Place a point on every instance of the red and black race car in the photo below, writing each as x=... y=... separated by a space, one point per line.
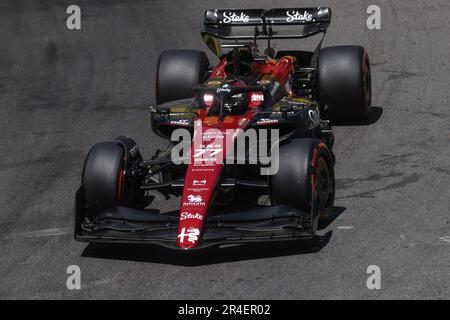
x=218 y=120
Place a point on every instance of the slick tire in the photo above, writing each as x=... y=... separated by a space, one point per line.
x=178 y=72
x=102 y=177
x=305 y=178
x=344 y=83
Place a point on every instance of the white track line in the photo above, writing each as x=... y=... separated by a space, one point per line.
x=41 y=233
x=344 y=227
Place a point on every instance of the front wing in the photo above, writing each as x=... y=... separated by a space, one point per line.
x=127 y=225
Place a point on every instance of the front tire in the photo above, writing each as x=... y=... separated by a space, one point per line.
x=103 y=177
x=305 y=179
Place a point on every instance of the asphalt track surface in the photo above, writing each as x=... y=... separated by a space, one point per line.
x=62 y=91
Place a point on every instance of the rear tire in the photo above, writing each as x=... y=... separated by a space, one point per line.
x=305 y=179
x=179 y=71
x=344 y=83
x=103 y=176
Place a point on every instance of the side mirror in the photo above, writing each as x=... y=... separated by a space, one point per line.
x=161 y=110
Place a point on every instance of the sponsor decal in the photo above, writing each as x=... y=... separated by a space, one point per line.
x=314 y=116
x=257 y=97
x=212 y=136
x=191 y=234
x=210 y=149
x=183 y=122
x=294 y=15
x=199 y=182
x=223 y=89
x=187 y=215
x=197 y=189
x=204 y=163
x=267 y=121
x=230 y=16
x=296 y=106
x=177 y=114
x=207 y=161
x=194 y=200
x=202 y=168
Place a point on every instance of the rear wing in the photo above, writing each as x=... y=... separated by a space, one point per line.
x=252 y=24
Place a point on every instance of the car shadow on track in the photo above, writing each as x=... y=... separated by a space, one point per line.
x=212 y=255
x=207 y=256
x=337 y=211
x=373 y=116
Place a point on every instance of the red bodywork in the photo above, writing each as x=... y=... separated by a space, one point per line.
x=208 y=151
x=280 y=69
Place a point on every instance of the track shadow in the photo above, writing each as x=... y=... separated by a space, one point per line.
x=337 y=211
x=373 y=116
x=207 y=256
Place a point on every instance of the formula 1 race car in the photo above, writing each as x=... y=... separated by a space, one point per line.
x=217 y=119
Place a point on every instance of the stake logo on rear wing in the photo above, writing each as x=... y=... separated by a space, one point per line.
x=294 y=15
x=264 y=24
x=234 y=17
x=314 y=16
x=229 y=16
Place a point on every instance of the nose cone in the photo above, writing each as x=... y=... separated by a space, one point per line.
x=188 y=237
x=202 y=175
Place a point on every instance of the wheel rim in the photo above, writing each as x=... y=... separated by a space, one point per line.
x=324 y=187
